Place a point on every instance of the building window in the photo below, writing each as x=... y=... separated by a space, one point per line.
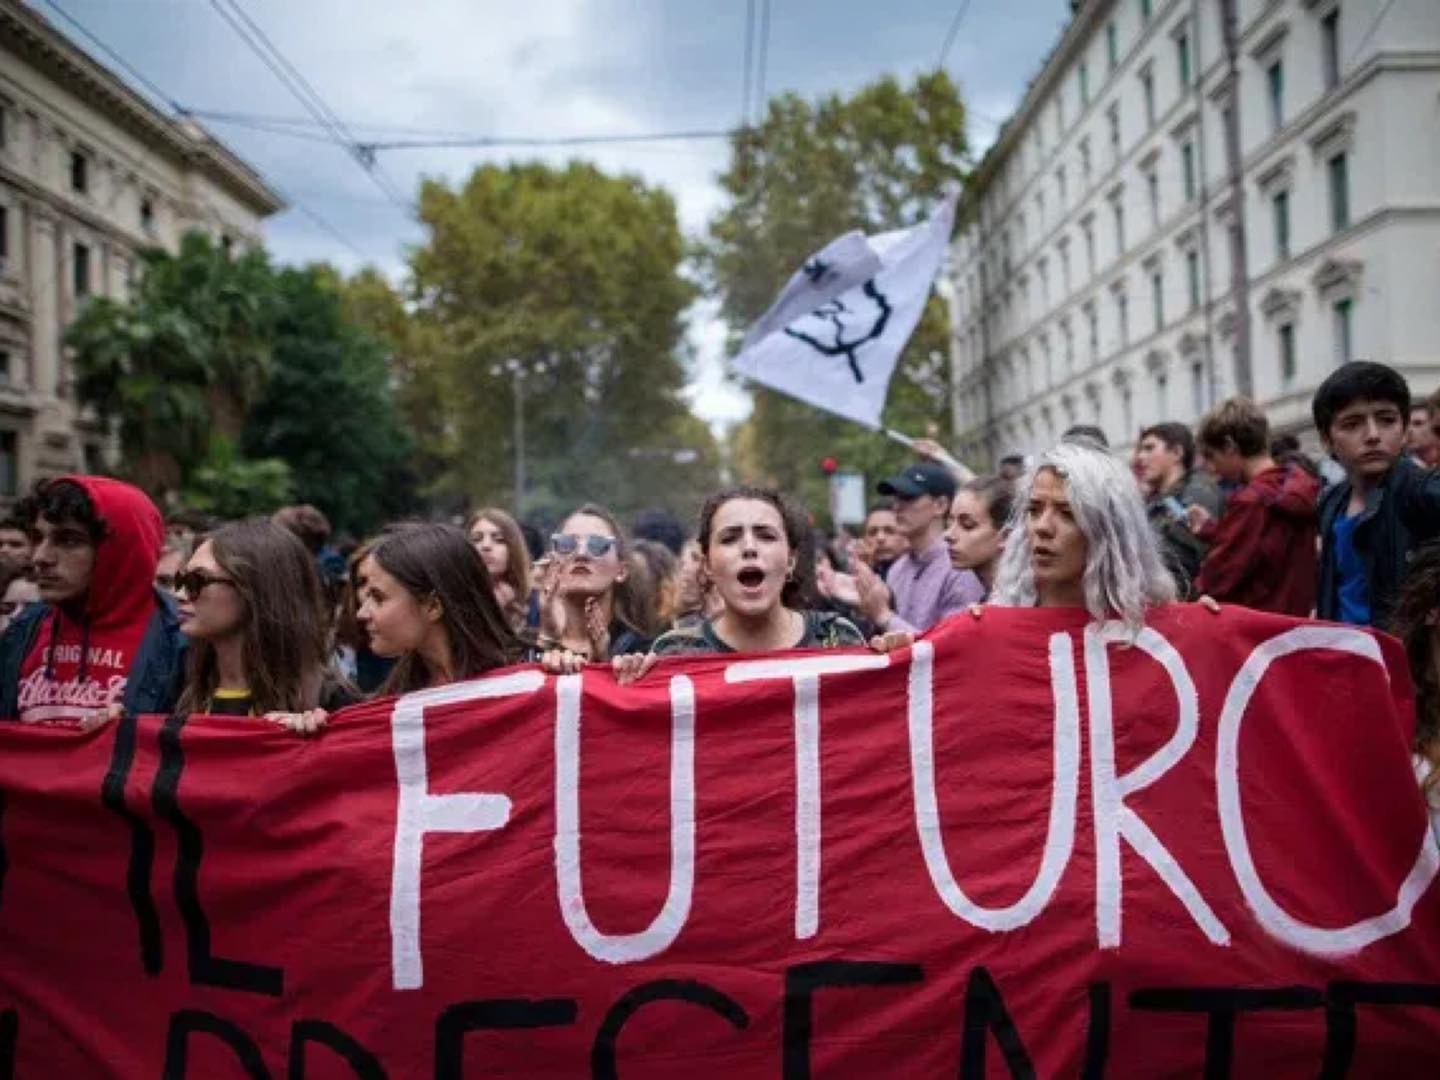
x=1084 y=84
x=1147 y=87
x=1089 y=230
x=1157 y=293
x=9 y=464
x=4 y=237
x=1182 y=56
x=1119 y=211
x=4 y=367
x=1192 y=277
x=1112 y=45
x=1113 y=116
x=1287 y=353
x=79 y=173
x=1338 y=169
x=1197 y=387
x=1146 y=10
x=1187 y=169
x=4 y=121
x=1340 y=316
x=1152 y=189
x=1162 y=395
x=1093 y=318
x=1060 y=184
x=1275 y=89
x=1330 y=48
x=1065 y=267
x=1085 y=159
x=80 y=267
x=1280 y=205
x=1122 y=312
x=147 y=214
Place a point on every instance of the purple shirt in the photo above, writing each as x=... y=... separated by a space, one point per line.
x=927 y=589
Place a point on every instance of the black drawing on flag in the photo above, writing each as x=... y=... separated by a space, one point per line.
x=848 y=329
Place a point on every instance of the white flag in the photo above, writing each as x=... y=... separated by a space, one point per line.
x=840 y=353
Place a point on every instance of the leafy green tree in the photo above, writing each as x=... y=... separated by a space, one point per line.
x=573 y=277
x=327 y=410
x=229 y=486
x=185 y=358
x=875 y=161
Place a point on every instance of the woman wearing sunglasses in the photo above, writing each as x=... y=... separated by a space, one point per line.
x=427 y=600
x=593 y=603
x=254 y=611
x=757 y=553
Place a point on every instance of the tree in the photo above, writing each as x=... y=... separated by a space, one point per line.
x=327 y=410
x=876 y=161
x=183 y=359
x=572 y=277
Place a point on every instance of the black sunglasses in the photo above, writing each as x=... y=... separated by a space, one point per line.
x=193 y=582
x=597 y=547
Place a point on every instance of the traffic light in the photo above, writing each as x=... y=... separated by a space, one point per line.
x=829 y=466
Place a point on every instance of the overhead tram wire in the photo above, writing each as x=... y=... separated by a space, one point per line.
x=290 y=76
x=749 y=63
x=180 y=111
x=125 y=65
x=762 y=61
x=951 y=34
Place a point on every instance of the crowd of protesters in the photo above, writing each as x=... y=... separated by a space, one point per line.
x=109 y=608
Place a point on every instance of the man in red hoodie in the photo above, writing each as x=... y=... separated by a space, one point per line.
x=1263 y=549
x=103 y=636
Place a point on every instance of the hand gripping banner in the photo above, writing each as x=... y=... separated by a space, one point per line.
x=1026 y=846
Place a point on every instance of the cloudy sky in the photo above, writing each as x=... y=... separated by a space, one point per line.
x=541 y=68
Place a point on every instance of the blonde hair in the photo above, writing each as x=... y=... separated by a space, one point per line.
x=1124 y=573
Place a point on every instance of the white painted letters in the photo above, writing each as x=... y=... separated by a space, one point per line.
x=1278 y=922
x=1113 y=819
x=666 y=926
x=419 y=812
x=806 y=671
x=1060 y=836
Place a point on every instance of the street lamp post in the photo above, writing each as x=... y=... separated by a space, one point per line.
x=516 y=370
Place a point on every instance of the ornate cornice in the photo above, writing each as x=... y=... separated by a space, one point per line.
x=31 y=36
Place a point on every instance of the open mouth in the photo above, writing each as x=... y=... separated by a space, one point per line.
x=752 y=577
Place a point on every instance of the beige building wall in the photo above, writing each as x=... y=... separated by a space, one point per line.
x=90 y=174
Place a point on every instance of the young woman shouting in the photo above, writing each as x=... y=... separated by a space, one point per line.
x=755 y=553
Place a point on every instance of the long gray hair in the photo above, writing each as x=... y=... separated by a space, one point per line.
x=1124 y=573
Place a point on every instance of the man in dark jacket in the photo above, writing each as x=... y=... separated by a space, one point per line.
x=1386 y=505
x=1262 y=551
x=103 y=635
x=1166 y=456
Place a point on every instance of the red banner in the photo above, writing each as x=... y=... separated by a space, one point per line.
x=1014 y=849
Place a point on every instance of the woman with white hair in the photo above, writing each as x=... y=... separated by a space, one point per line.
x=1079 y=539
x=1082 y=540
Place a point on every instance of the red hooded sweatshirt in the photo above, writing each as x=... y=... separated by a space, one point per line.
x=83 y=653
x=1263 y=555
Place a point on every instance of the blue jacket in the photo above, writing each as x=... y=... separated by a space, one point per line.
x=1400 y=513
x=157 y=676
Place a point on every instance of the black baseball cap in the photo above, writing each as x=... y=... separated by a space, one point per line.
x=922 y=478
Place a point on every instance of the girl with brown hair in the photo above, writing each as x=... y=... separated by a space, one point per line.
x=427 y=600
x=252 y=606
x=497 y=537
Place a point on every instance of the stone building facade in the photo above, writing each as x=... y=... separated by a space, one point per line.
x=90 y=174
x=1093 y=273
